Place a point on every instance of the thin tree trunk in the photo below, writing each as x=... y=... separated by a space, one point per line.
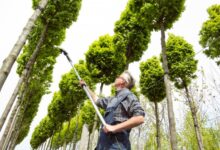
x=4 y=116
x=64 y=145
x=43 y=147
x=25 y=75
x=26 y=72
x=75 y=131
x=101 y=89
x=195 y=120
x=138 y=138
x=13 y=131
x=68 y=128
x=50 y=145
x=84 y=138
x=12 y=143
x=10 y=130
x=90 y=146
x=172 y=126
x=9 y=61
x=157 y=126
x=95 y=123
x=10 y=122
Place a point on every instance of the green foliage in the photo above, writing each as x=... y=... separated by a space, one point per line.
x=43 y=131
x=65 y=103
x=166 y=12
x=151 y=80
x=57 y=16
x=151 y=139
x=210 y=33
x=60 y=14
x=30 y=112
x=132 y=33
x=181 y=62
x=102 y=60
x=71 y=94
x=67 y=135
x=56 y=108
x=210 y=135
x=85 y=115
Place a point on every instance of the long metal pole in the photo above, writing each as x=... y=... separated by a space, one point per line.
x=85 y=88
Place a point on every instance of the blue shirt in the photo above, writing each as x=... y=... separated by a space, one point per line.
x=128 y=108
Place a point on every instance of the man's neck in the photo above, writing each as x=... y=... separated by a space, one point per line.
x=119 y=88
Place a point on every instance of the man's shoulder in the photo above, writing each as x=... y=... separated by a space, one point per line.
x=132 y=97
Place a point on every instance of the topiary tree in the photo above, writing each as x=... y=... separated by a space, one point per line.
x=43 y=131
x=9 y=61
x=101 y=61
x=57 y=16
x=66 y=101
x=152 y=86
x=209 y=34
x=165 y=13
x=182 y=66
x=132 y=32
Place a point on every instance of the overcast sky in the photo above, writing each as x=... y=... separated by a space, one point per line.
x=96 y=18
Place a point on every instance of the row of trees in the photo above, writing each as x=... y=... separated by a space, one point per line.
x=106 y=58
x=35 y=66
x=126 y=42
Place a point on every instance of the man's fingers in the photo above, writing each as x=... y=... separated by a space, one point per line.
x=82 y=83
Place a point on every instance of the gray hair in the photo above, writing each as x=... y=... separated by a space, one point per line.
x=128 y=79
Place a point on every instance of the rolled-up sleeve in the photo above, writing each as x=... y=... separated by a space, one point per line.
x=135 y=108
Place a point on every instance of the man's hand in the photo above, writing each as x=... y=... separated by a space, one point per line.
x=109 y=128
x=82 y=83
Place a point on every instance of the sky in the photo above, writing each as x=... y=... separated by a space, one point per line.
x=96 y=18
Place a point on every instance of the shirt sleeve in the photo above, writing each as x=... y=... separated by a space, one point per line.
x=103 y=102
x=135 y=108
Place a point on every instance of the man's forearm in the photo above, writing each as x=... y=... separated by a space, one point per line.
x=130 y=123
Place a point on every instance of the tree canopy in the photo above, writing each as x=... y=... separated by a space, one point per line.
x=209 y=33
x=151 y=80
x=181 y=61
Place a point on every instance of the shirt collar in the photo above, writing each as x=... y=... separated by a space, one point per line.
x=121 y=91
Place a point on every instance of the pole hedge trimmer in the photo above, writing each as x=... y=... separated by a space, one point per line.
x=84 y=87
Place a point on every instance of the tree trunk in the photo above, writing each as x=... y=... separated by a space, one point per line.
x=4 y=116
x=91 y=139
x=173 y=139
x=90 y=146
x=14 y=131
x=9 y=61
x=24 y=77
x=43 y=147
x=50 y=145
x=138 y=138
x=157 y=126
x=75 y=132
x=95 y=123
x=9 y=124
x=68 y=128
x=84 y=138
x=101 y=89
x=12 y=143
x=195 y=120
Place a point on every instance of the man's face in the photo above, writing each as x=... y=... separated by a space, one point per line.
x=119 y=82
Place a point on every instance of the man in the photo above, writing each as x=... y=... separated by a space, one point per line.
x=123 y=112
